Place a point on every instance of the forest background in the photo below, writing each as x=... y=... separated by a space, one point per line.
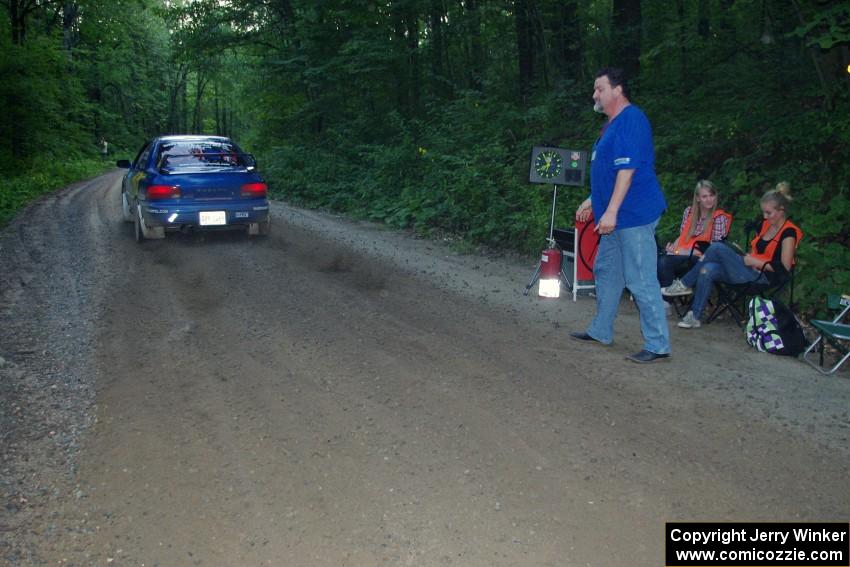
x=423 y=113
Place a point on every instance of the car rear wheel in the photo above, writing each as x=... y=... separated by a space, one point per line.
x=143 y=232
x=126 y=211
x=137 y=228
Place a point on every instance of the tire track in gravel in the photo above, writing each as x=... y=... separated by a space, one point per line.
x=294 y=400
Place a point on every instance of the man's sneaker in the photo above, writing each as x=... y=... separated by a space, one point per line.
x=676 y=288
x=689 y=321
x=582 y=336
x=646 y=356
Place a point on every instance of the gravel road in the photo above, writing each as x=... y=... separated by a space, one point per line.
x=341 y=394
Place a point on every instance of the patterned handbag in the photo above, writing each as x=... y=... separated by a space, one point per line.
x=772 y=327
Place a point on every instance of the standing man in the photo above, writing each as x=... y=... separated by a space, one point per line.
x=626 y=198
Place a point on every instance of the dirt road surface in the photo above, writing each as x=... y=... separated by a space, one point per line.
x=339 y=394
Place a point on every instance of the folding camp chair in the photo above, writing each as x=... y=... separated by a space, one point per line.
x=732 y=298
x=832 y=332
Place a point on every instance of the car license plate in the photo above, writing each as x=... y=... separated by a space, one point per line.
x=213 y=218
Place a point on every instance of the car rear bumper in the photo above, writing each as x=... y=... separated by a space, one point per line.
x=177 y=217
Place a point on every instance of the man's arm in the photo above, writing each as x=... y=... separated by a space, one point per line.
x=608 y=222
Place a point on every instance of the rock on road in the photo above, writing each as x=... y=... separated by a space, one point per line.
x=338 y=394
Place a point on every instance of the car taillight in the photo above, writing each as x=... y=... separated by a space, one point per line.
x=254 y=190
x=156 y=192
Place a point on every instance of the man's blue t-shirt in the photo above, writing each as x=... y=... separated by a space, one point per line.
x=627 y=144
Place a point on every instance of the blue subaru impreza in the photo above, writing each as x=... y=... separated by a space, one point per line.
x=193 y=182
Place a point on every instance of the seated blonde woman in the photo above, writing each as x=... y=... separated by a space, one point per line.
x=701 y=222
x=772 y=254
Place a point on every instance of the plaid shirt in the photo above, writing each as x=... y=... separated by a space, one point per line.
x=718 y=231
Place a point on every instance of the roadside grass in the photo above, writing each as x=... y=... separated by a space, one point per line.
x=17 y=191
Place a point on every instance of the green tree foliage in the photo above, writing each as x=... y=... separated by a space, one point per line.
x=42 y=90
x=422 y=113
x=74 y=73
x=75 y=69
x=124 y=52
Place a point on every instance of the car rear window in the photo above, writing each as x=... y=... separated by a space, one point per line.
x=201 y=154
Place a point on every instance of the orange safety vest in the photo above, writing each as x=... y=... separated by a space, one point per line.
x=685 y=243
x=770 y=250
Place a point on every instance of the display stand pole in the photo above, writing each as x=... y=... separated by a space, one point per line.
x=552 y=219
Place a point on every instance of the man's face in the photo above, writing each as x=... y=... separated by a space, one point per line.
x=603 y=94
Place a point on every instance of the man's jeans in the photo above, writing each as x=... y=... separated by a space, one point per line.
x=628 y=257
x=720 y=263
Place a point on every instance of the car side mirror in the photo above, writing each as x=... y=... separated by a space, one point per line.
x=123 y=163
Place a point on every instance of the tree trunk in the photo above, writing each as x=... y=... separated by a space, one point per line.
x=218 y=129
x=415 y=73
x=703 y=19
x=225 y=123
x=726 y=24
x=538 y=40
x=435 y=20
x=174 y=114
x=402 y=91
x=845 y=56
x=815 y=61
x=567 y=41
x=197 y=119
x=525 y=57
x=627 y=25
x=69 y=19
x=683 y=51
x=19 y=11
x=184 y=112
x=476 y=52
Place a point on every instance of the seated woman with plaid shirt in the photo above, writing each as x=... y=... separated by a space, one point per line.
x=701 y=222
